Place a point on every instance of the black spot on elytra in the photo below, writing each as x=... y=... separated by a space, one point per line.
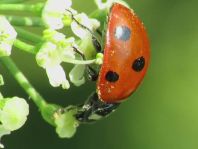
x=138 y=64
x=111 y=76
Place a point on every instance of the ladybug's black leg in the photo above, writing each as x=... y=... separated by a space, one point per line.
x=94 y=109
x=92 y=74
x=95 y=41
x=97 y=45
x=99 y=32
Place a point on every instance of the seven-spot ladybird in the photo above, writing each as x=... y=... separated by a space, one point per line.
x=126 y=59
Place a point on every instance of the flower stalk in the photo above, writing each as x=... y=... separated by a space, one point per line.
x=24 y=46
x=27 y=35
x=23 y=82
x=35 y=8
x=25 y=21
x=11 y=1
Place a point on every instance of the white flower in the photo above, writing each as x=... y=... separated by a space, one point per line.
x=82 y=18
x=14 y=113
x=53 y=36
x=55 y=50
x=57 y=76
x=53 y=13
x=67 y=19
x=58 y=46
x=7 y=37
x=68 y=45
x=66 y=124
x=108 y=3
x=48 y=55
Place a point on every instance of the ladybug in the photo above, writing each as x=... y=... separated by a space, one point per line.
x=126 y=59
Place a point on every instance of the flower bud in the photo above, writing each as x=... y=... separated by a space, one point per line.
x=14 y=113
x=66 y=123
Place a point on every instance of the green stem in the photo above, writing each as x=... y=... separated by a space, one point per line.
x=25 y=21
x=1 y=96
x=34 y=8
x=23 y=82
x=79 y=62
x=10 y=1
x=24 y=46
x=100 y=15
x=22 y=33
x=1 y=80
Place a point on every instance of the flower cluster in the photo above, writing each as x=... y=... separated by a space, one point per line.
x=13 y=113
x=57 y=48
x=54 y=49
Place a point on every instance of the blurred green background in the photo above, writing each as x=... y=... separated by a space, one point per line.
x=162 y=114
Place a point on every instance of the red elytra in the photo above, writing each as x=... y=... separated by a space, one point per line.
x=126 y=55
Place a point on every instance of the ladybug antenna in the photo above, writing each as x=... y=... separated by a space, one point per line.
x=83 y=26
x=99 y=32
x=95 y=41
x=79 y=52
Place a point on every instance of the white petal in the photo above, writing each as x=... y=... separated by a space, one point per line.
x=95 y=24
x=66 y=124
x=57 y=76
x=14 y=113
x=6 y=27
x=5 y=49
x=7 y=37
x=78 y=30
x=53 y=22
x=53 y=12
x=83 y=19
x=76 y=75
x=48 y=55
